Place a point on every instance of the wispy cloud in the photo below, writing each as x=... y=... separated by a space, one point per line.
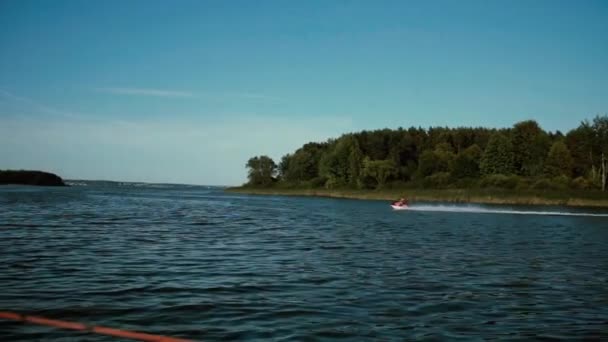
x=146 y=92
x=255 y=96
x=187 y=94
x=27 y=105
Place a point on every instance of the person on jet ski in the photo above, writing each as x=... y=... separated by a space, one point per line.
x=401 y=202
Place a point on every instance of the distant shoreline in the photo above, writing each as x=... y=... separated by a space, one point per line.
x=478 y=196
x=30 y=177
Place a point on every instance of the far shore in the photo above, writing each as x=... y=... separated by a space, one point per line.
x=30 y=177
x=479 y=196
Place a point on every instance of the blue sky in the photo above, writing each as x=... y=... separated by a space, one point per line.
x=187 y=91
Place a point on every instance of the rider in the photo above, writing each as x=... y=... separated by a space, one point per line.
x=401 y=202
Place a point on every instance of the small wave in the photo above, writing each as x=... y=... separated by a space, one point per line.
x=116 y=292
x=80 y=311
x=76 y=183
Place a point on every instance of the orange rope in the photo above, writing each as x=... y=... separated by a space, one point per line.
x=89 y=328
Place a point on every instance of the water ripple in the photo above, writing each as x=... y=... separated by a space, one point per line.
x=197 y=263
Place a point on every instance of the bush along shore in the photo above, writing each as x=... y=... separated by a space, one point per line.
x=26 y=177
x=523 y=164
x=481 y=196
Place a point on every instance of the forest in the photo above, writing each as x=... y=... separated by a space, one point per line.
x=523 y=156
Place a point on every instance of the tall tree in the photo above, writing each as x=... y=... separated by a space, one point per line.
x=530 y=146
x=466 y=163
x=498 y=156
x=262 y=170
x=559 y=160
x=302 y=166
x=600 y=129
x=283 y=167
x=380 y=170
x=580 y=142
x=429 y=163
x=355 y=163
x=375 y=143
x=341 y=164
x=404 y=153
x=304 y=163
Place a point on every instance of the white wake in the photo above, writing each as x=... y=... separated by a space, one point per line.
x=482 y=210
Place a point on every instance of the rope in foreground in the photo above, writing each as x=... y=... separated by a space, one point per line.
x=89 y=328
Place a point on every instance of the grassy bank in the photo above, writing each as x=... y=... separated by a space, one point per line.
x=487 y=196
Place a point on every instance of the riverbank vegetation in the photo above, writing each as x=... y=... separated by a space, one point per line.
x=479 y=195
x=523 y=160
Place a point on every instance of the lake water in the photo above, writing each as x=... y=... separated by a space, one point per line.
x=198 y=263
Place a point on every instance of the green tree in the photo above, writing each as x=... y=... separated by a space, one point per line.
x=262 y=170
x=439 y=135
x=463 y=138
x=466 y=163
x=375 y=143
x=379 y=170
x=530 y=147
x=283 y=167
x=498 y=156
x=600 y=129
x=302 y=166
x=341 y=164
x=403 y=151
x=559 y=161
x=355 y=164
x=437 y=160
x=428 y=163
x=445 y=156
x=580 y=142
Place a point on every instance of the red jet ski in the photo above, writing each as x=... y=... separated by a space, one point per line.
x=400 y=204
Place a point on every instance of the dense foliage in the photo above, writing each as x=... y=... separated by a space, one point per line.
x=30 y=178
x=521 y=157
x=261 y=170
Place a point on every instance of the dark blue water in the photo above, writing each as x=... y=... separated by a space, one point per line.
x=198 y=263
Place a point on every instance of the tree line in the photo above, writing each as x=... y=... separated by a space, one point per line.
x=520 y=157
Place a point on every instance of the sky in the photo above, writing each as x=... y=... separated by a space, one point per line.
x=187 y=91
